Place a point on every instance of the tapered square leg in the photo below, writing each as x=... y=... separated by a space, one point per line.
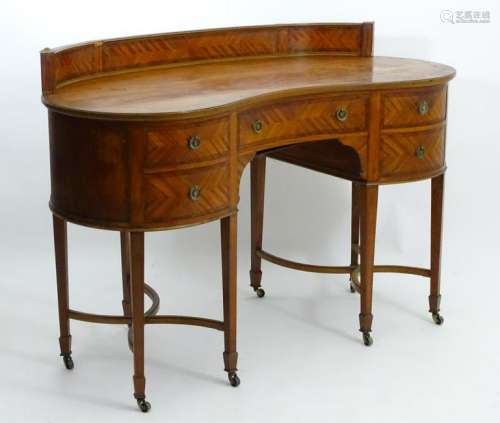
x=126 y=302
x=437 y=196
x=61 y=255
x=355 y=210
x=125 y=258
x=137 y=312
x=228 y=249
x=257 y=188
x=369 y=199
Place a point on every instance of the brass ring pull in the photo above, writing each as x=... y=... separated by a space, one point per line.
x=257 y=126
x=194 y=142
x=423 y=107
x=420 y=152
x=342 y=114
x=195 y=192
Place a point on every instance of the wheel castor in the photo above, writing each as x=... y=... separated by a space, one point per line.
x=438 y=319
x=367 y=339
x=351 y=288
x=68 y=361
x=260 y=292
x=234 y=380
x=143 y=405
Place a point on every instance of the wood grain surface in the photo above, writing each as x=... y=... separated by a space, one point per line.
x=222 y=84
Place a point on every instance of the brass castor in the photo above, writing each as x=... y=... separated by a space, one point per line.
x=234 y=380
x=143 y=405
x=367 y=339
x=438 y=319
x=351 y=288
x=68 y=361
x=260 y=292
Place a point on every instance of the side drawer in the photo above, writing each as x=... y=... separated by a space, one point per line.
x=174 y=195
x=173 y=144
x=302 y=118
x=410 y=155
x=421 y=106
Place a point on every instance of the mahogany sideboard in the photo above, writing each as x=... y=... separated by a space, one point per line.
x=153 y=133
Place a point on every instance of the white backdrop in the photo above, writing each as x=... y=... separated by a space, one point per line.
x=301 y=357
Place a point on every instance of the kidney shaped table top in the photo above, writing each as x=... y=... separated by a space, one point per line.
x=224 y=85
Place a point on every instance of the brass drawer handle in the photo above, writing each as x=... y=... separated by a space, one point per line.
x=257 y=126
x=342 y=114
x=423 y=107
x=194 y=142
x=420 y=152
x=195 y=192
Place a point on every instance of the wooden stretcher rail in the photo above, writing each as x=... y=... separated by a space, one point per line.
x=341 y=269
x=159 y=319
x=155 y=299
x=115 y=319
x=99 y=318
x=302 y=266
x=185 y=320
x=150 y=316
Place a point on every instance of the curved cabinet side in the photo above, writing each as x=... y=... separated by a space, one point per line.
x=89 y=170
x=412 y=138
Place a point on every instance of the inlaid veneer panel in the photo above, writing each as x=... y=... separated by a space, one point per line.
x=168 y=144
x=224 y=44
x=75 y=62
x=401 y=108
x=302 y=118
x=346 y=39
x=399 y=156
x=166 y=195
x=147 y=51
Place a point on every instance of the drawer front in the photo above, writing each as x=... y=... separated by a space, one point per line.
x=183 y=143
x=412 y=154
x=414 y=107
x=333 y=115
x=175 y=195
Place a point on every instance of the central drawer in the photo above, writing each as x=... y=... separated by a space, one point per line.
x=303 y=118
x=185 y=194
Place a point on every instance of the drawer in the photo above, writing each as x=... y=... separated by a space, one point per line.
x=303 y=118
x=183 y=143
x=409 y=155
x=174 y=195
x=413 y=107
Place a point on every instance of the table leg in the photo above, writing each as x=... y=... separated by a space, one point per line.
x=137 y=297
x=61 y=255
x=354 y=228
x=125 y=255
x=369 y=197
x=257 y=188
x=126 y=303
x=228 y=249
x=437 y=191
